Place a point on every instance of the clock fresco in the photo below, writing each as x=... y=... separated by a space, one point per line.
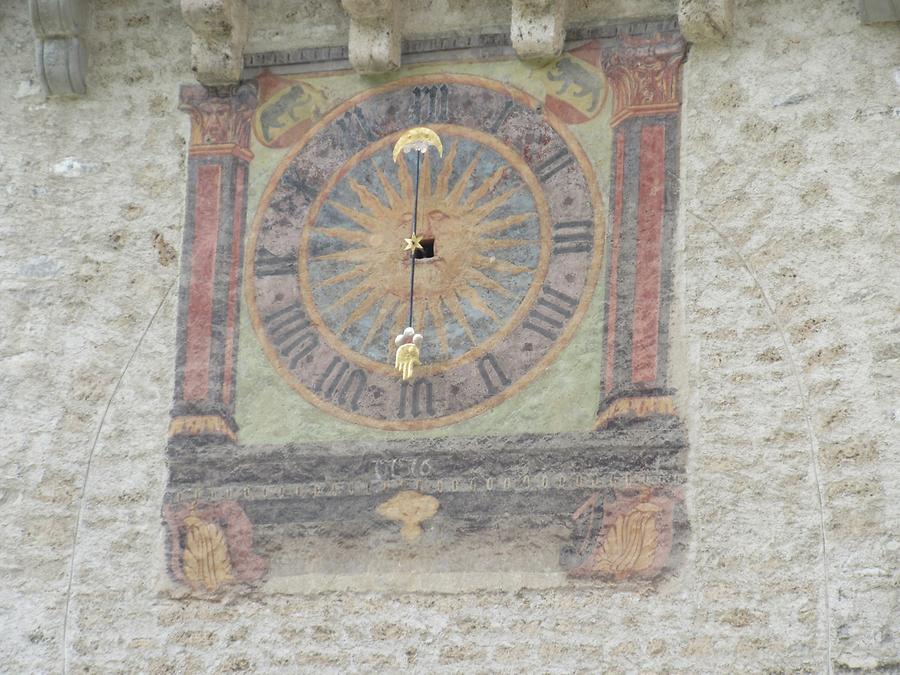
x=537 y=442
x=514 y=217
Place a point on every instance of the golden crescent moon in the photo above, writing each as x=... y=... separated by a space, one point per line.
x=418 y=135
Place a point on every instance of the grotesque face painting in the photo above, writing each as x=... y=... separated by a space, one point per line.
x=528 y=247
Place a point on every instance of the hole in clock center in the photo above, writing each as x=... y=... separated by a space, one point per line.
x=427 y=250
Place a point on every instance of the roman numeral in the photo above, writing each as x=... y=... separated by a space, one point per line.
x=283 y=204
x=339 y=383
x=294 y=182
x=291 y=186
x=550 y=313
x=494 y=378
x=420 y=396
x=573 y=236
x=291 y=332
x=355 y=129
x=553 y=165
x=430 y=104
x=270 y=265
x=498 y=119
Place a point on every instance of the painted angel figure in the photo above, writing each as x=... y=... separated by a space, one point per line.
x=408 y=343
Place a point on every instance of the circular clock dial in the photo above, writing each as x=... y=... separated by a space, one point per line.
x=511 y=216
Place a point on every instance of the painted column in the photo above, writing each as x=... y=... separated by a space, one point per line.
x=211 y=261
x=644 y=74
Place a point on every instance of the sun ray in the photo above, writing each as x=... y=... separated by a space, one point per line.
x=437 y=318
x=342 y=233
x=364 y=220
x=386 y=308
x=492 y=205
x=357 y=255
x=389 y=190
x=354 y=292
x=486 y=186
x=369 y=200
x=425 y=176
x=406 y=186
x=459 y=314
x=443 y=180
x=485 y=281
x=343 y=276
x=455 y=195
x=361 y=310
x=470 y=294
x=489 y=226
x=499 y=265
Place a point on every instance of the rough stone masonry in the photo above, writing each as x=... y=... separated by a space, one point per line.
x=786 y=286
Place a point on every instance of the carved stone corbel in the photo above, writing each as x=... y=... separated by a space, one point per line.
x=60 y=57
x=879 y=11
x=706 y=20
x=375 y=35
x=220 y=34
x=538 y=28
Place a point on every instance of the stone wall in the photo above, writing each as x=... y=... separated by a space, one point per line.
x=788 y=302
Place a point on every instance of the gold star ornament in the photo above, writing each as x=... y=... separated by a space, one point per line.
x=414 y=243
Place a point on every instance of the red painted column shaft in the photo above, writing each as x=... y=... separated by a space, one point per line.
x=211 y=261
x=614 y=262
x=200 y=289
x=651 y=191
x=643 y=74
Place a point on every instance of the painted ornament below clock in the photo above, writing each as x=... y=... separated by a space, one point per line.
x=502 y=264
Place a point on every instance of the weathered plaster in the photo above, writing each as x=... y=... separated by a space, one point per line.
x=788 y=226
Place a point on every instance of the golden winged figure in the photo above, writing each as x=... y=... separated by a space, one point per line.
x=630 y=543
x=206 y=559
x=408 y=343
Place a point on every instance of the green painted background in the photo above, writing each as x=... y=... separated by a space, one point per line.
x=564 y=398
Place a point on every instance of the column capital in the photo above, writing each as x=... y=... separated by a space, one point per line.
x=220 y=118
x=644 y=75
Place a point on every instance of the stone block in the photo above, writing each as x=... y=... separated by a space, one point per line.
x=538 y=28
x=60 y=58
x=219 y=34
x=375 y=35
x=706 y=20
x=879 y=11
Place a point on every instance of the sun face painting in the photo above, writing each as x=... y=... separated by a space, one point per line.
x=484 y=219
x=512 y=218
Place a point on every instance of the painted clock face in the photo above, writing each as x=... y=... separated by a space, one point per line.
x=513 y=216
